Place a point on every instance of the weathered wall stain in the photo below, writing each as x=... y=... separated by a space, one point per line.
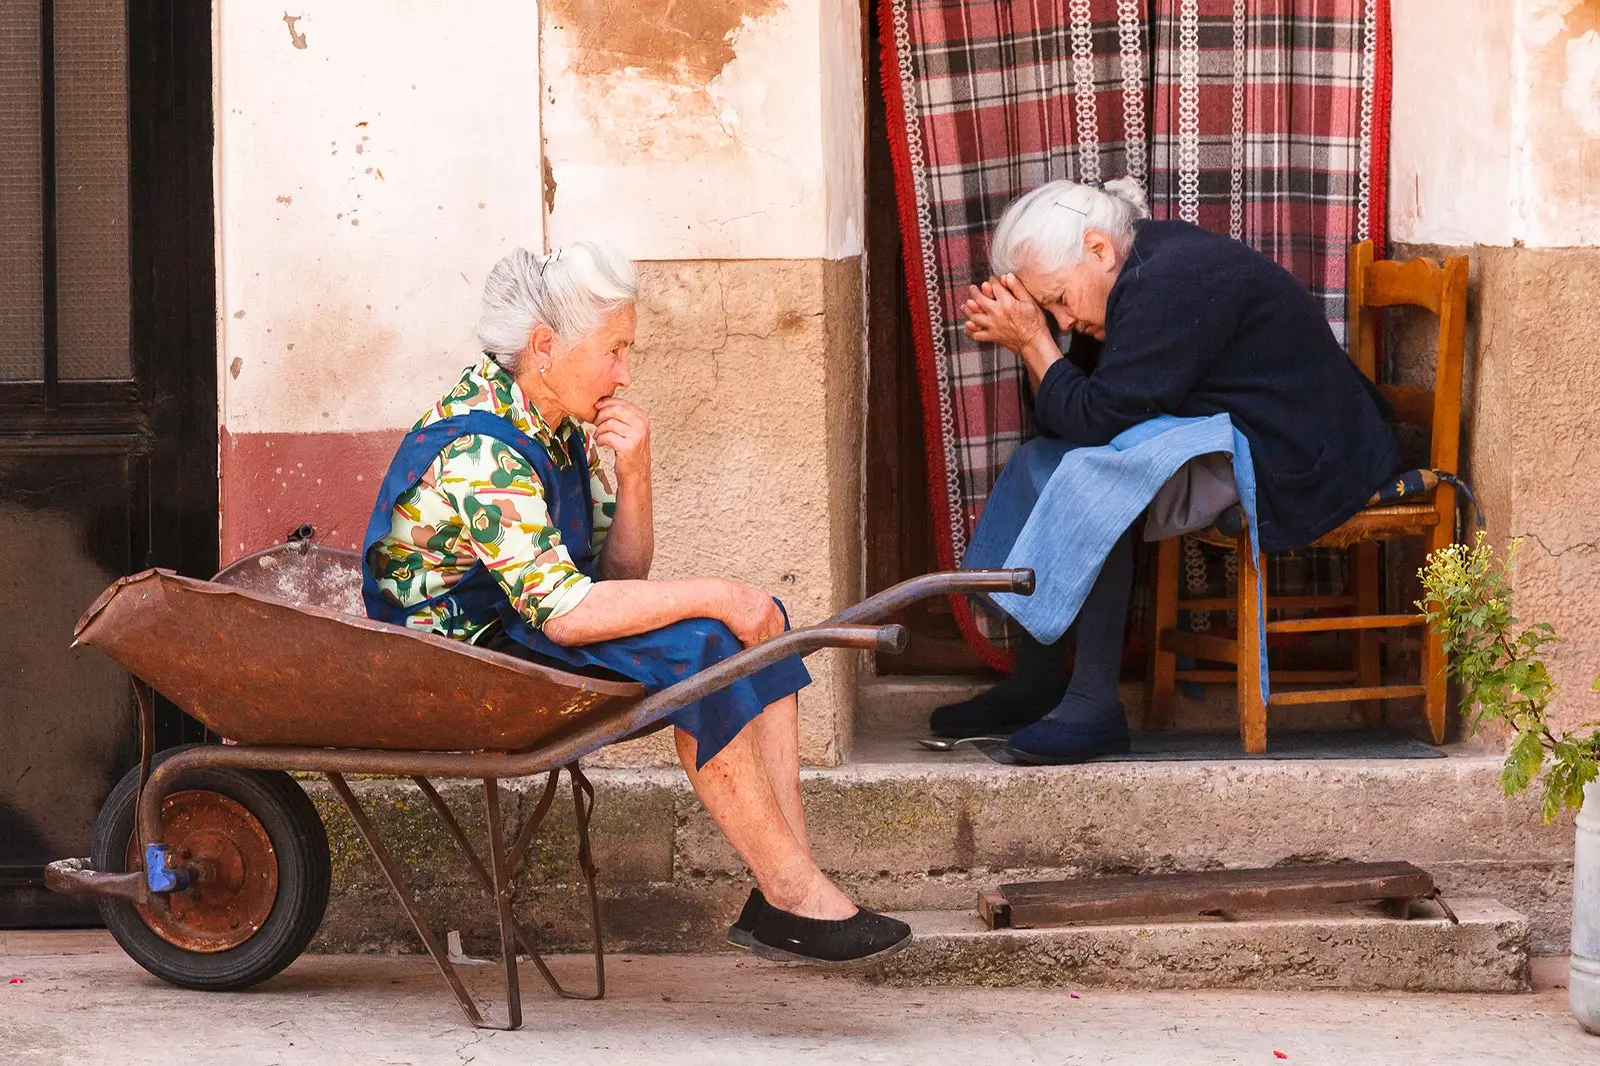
x=296 y=38
x=549 y=186
x=688 y=41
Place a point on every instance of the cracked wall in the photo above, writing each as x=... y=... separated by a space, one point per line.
x=1531 y=436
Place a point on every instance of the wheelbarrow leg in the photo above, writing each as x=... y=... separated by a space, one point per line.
x=502 y=900
x=583 y=810
x=408 y=899
x=583 y=803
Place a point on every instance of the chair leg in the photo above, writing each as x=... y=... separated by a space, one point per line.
x=1161 y=674
x=1436 y=698
x=1252 y=711
x=1369 y=665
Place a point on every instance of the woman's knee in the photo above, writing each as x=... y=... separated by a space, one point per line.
x=718 y=641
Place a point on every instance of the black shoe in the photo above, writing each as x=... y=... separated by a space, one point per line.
x=1035 y=686
x=742 y=931
x=1069 y=739
x=865 y=936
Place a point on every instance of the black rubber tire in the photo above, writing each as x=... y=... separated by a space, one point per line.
x=304 y=876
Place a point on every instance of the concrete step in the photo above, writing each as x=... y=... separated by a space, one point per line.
x=1354 y=948
x=918 y=831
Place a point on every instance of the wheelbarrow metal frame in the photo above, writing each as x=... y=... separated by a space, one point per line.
x=852 y=628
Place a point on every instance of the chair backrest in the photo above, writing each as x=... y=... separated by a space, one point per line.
x=1442 y=289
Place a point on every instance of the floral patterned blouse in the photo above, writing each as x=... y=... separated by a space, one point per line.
x=481 y=501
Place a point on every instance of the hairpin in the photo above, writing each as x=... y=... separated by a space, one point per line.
x=553 y=257
x=1069 y=207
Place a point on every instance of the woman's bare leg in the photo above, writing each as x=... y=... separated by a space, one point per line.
x=777 y=735
x=736 y=789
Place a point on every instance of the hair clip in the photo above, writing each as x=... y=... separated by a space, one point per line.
x=1069 y=207
x=1095 y=185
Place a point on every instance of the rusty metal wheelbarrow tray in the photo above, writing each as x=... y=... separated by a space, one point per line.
x=301 y=687
x=258 y=670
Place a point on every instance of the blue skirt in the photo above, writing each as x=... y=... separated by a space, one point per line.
x=662 y=657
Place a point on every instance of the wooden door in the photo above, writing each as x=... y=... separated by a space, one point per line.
x=108 y=437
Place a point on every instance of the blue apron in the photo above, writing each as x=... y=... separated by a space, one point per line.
x=657 y=659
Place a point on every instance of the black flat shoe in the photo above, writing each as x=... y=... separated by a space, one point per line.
x=742 y=932
x=1052 y=742
x=865 y=936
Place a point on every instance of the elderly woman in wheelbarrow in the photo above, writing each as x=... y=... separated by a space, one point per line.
x=497 y=525
x=1190 y=325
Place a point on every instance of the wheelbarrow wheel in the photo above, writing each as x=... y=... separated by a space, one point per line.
x=260 y=854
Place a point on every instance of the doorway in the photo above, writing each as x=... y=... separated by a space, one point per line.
x=899 y=526
x=108 y=391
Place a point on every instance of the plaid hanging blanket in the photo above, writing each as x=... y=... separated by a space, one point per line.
x=1266 y=120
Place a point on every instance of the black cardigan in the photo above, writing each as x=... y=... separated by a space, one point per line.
x=1198 y=324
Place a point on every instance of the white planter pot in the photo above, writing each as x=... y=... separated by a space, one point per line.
x=1584 y=986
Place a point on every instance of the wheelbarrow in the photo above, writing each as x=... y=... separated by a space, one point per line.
x=209 y=862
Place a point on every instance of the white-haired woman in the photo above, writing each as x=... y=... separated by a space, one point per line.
x=1192 y=324
x=495 y=526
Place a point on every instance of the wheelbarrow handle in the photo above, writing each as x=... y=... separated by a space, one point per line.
x=945 y=583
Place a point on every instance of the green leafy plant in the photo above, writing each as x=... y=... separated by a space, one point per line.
x=1467 y=598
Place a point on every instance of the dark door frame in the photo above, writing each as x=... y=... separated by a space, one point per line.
x=172 y=402
x=165 y=418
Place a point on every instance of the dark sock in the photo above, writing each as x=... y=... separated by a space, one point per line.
x=1035 y=685
x=1100 y=626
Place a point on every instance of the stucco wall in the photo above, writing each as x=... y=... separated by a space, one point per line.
x=1496 y=155
x=1496 y=114
x=374 y=160
x=720 y=129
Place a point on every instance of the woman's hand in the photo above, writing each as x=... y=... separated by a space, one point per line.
x=1001 y=311
x=624 y=428
x=751 y=614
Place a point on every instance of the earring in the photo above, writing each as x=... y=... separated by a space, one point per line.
x=542 y=369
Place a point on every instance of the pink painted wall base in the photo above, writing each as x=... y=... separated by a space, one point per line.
x=272 y=483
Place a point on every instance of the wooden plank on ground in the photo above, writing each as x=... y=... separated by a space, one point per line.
x=994 y=910
x=1037 y=904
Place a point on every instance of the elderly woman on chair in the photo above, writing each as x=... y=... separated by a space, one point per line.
x=1190 y=325
x=497 y=525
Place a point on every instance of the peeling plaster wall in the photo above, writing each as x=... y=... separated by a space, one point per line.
x=374 y=160
x=712 y=129
x=1496 y=155
x=1496 y=116
x=1450 y=126
x=366 y=182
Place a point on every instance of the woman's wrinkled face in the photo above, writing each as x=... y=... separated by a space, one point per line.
x=1075 y=296
x=580 y=374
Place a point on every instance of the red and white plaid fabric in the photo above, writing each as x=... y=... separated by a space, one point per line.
x=1264 y=119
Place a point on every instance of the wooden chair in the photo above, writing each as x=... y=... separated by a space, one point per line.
x=1442 y=289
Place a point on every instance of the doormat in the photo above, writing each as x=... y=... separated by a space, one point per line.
x=1213 y=747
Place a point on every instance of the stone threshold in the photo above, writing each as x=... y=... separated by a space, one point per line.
x=1353 y=949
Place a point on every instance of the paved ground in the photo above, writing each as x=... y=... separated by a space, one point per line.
x=82 y=1001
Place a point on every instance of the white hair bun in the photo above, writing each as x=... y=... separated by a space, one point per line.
x=1130 y=192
